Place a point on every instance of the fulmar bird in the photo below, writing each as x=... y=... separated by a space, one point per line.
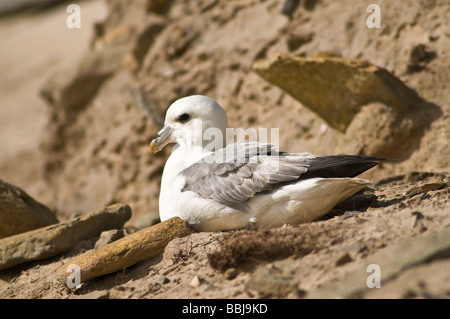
x=246 y=183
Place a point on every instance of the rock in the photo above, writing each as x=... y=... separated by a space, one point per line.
x=269 y=281
x=335 y=88
x=375 y=112
x=295 y=41
x=382 y=130
x=420 y=56
x=418 y=176
x=289 y=7
x=348 y=214
x=109 y=236
x=231 y=273
x=432 y=185
x=19 y=212
x=139 y=246
x=162 y=280
x=195 y=281
x=343 y=259
x=413 y=191
x=55 y=239
x=158 y=6
x=392 y=261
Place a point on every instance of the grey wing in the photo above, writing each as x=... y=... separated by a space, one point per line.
x=236 y=173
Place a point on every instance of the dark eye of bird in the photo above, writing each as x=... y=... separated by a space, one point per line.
x=183 y=118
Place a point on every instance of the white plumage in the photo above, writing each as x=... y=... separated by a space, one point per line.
x=245 y=183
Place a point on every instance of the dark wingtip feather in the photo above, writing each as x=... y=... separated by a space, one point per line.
x=335 y=166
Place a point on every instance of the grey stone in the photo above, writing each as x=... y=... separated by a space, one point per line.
x=161 y=280
x=55 y=239
x=335 y=88
x=19 y=212
x=231 y=273
x=109 y=236
x=356 y=98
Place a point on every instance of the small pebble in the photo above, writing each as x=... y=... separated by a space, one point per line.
x=289 y=7
x=231 y=273
x=343 y=259
x=348 y=214
x=162 y=280
x=432 y=185
x=195 y=282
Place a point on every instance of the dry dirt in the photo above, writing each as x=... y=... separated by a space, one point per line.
x=75 y=158
x=287 y=262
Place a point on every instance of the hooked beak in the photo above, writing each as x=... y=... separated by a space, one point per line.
x=162 y=139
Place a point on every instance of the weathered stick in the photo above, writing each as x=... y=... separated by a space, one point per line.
x=52 y=240
x=127 y=251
